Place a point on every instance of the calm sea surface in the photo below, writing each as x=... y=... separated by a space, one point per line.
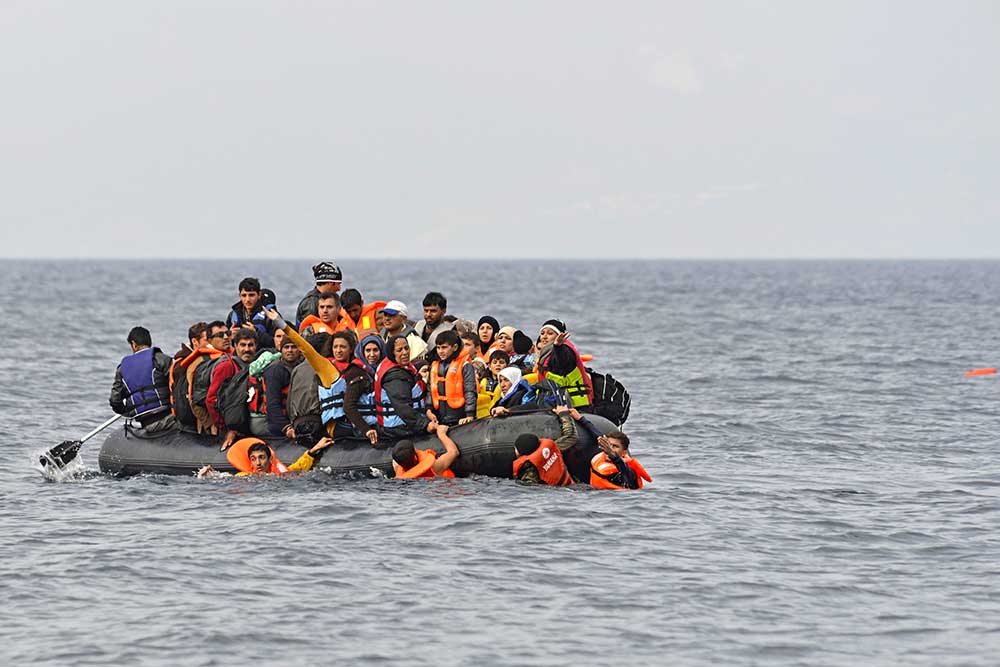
x=826 y=482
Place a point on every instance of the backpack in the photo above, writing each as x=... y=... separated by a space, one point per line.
x=546 y=394
x=203 y=379
x=233 y=401
x=611 y=398
x=179 y=405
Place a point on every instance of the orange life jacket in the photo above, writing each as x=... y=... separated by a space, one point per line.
x=240 y=459
x=602 y=469
x=454 y=387
x=548 y=460
x=319 y=326
x=366 y=321
x=191 y=362
x=425 y=462
x=485 y=356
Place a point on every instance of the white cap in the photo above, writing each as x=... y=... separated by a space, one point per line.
x=394 y=307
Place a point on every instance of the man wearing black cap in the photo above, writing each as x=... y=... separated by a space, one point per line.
x=328 y=278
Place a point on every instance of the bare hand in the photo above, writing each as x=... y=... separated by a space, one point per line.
x=205 y=471
x=499 y=411
x=372 y=435
x=271 y=313
x=574 y=414
x=322 y=444
x=432 y=426
x=561 y=338
x=230 y=439
x=465 y=420
x=290 y=432
x=431 y=416
x=560 y=409
x=441 y=429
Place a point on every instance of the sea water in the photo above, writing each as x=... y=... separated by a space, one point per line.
x=826 y=482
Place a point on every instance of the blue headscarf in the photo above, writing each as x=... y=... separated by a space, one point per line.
x=359 y=351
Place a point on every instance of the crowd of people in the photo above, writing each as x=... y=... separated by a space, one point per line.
x=345 y=368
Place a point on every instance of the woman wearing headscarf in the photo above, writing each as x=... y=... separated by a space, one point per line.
x=399 y=393
x=359 y=401
x=487 y=331
x=513 y=389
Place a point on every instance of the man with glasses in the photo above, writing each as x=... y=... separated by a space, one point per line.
x=219 y=343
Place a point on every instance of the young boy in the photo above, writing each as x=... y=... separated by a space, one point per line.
x=453 y=387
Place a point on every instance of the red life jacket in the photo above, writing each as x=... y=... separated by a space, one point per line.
x=548 y=460
x=382 y=403
x=602 y=469
x=423 y=468
x=240 y=459
x=454 y=386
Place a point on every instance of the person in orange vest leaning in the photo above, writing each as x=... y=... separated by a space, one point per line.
x=613 y=467
x=540 y=460
x=409 y=463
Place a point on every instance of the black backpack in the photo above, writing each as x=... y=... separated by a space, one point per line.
x=202 y=378
x=233 y=401
x=178 y=398
x=611 y=399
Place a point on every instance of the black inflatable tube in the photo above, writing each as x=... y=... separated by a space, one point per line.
x=486 y=445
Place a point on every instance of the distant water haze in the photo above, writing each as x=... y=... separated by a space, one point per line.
x=825 y=482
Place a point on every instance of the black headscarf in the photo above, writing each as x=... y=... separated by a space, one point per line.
x=492 y=321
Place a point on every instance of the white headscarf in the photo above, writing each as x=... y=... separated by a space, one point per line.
x=512 y=373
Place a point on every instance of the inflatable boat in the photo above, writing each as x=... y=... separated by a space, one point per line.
x=486 y=445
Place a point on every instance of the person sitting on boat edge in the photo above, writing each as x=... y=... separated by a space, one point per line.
x=513 y=388
x=253 y=456
x=453 y=387
x=328 y=277
x=248 y=313
x=540 y=460
x=141 y=388
x=559 y=361
x=613 y=467
x=410 y=463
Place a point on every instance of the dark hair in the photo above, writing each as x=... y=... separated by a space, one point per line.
x=197 y=329
x=500 y=354
x=469 y=336
x=327 y=297
x=449 y=318
x=526 y=443
x=348 y=337
x=216 y=324
x=390 y=347
x=250 y=285
x=351 y=297
x=242 y=334
x=259 y=447
x=403 y=453
x=322 y=342
x=620 y=437
x=436 y=299
x=139 y=336
x=522 y=344
x=448 y=337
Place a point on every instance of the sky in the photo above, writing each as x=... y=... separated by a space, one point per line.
x=517 y=129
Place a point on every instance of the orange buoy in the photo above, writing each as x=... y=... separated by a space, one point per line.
x=981 y=371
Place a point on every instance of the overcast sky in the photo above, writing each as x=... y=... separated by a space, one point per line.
x=499 y=129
